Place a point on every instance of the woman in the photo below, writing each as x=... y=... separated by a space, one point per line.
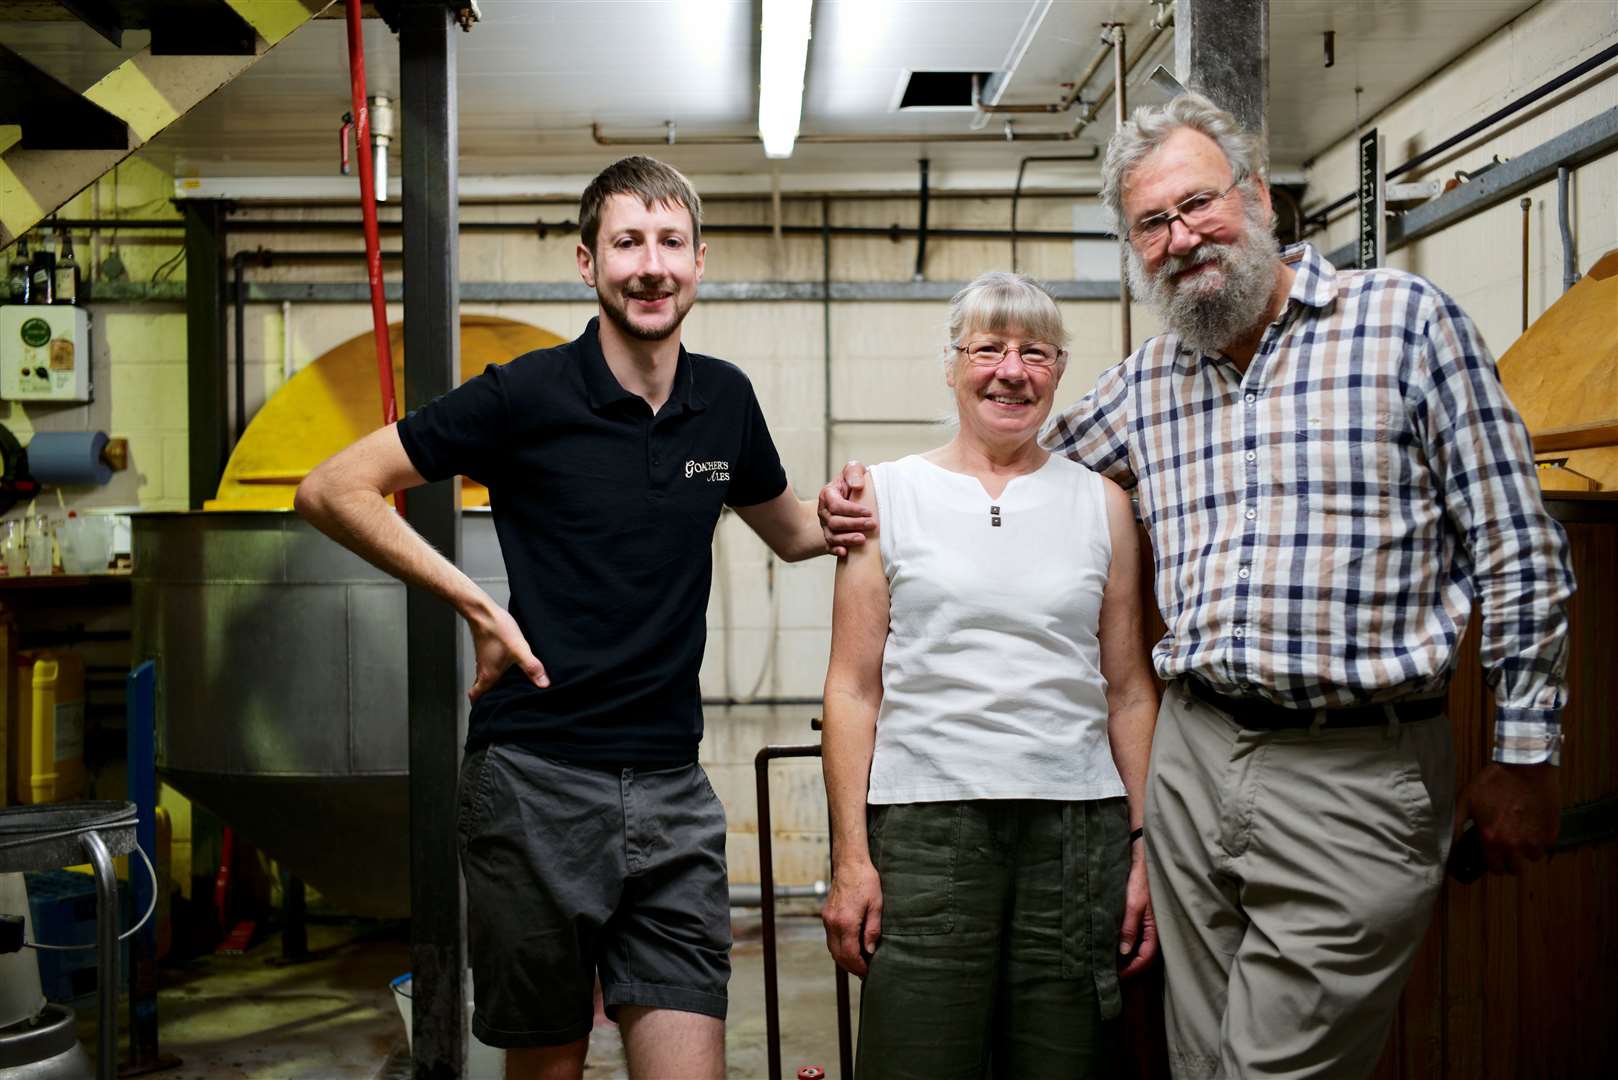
x=988 y=718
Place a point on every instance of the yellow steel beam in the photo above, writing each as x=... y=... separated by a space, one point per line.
x=148 y=93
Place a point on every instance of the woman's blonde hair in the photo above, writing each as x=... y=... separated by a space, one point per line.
x=998 y=301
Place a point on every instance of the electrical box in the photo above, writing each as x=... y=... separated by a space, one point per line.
x=44 y=352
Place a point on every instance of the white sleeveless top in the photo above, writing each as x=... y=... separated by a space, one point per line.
x=991 y=676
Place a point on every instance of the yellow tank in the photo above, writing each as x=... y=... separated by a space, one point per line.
x=335 y=400
x=47 y=736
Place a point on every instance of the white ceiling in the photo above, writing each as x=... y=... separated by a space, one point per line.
x=535 y=75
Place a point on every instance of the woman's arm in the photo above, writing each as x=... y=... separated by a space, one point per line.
x=1131 y=713
x=853 y=911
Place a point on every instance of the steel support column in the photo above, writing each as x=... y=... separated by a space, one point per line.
x=427 y=58
x=1222 y=49
x=206 y=415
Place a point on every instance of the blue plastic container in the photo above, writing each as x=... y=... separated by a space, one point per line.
x=62 y=905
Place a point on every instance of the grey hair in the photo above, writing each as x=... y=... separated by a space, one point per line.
x=1150 y=126
x=996 y=301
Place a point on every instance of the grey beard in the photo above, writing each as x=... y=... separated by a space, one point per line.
x=1209 y=321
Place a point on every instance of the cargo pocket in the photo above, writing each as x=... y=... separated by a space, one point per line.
x=473 y=799
x=916 y=848
x=1095 y=865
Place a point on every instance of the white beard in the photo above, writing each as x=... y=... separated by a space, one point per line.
x=1218 y=306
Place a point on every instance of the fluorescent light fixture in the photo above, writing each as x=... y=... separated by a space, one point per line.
x=783 y=53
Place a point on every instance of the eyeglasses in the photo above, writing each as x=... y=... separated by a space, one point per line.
x=1036 y=354
x=1193 y=213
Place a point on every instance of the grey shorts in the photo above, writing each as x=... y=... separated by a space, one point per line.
x=571 y=871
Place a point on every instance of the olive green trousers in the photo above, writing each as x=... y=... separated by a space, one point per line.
x=999 y=947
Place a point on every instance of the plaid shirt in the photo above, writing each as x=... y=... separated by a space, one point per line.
x=1322 y=524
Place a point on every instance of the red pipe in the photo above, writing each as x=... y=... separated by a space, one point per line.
x=373 y=245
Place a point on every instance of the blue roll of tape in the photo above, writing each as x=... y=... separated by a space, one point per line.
x=68 y=457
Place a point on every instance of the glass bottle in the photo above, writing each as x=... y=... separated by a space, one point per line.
x=67 y=272
x=43 y=274
x=19 y=279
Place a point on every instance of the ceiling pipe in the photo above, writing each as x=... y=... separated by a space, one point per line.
x=1162 y=19
x=1093 y=109
x=1121 y=85
x=603 y=139
x=1067 y=101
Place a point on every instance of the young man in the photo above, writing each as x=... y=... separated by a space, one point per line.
x=590 y=838
x=1330 y=473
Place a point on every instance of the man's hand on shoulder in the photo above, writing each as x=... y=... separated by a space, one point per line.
x=498 y=643
x=844 y=521
x=1517 y=810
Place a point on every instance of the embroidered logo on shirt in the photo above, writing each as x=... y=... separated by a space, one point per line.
x=718 y=471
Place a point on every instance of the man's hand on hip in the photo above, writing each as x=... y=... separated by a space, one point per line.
x=843 y=521
x=1517 y=810
x=498 y=643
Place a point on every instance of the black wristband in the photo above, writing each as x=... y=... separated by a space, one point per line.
x=1137 y=834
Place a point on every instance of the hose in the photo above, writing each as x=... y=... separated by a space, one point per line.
x=373 y=246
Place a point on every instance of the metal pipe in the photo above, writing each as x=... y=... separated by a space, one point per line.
x=1570 y=260
x=1525 y=203
x=845 y=1032
x=921 y=226
x=1120 y=82
x=106 y=956
x=1094 y=108
x=766 y=880
x=1548 y=87
x=977 y=103
x=752 y=896
x=891 y=232
x=602 y=139
x=825 y=330
x=241 y=343
x=429 y=46
x=1016 y=191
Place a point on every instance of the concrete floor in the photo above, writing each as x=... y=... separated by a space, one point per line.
x=247 y=1018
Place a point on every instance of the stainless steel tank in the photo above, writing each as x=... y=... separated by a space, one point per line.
x=281 y=698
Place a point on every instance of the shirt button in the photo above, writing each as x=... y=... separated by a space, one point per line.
x=1243 y=573
x=1252 y=398
x=1241 y=631
x=1252 y=455
x=1251 y=514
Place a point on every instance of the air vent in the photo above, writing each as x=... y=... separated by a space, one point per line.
x=940 y=89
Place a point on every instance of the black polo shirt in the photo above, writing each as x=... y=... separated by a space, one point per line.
x=605 y=515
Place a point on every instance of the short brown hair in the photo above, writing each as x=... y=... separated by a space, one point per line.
x=647 y=179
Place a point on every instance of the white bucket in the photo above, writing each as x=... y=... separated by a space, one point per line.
x=20 y=997
x=482 y=1062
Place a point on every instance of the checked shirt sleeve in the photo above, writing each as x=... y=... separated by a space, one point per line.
x=1480 y=454
x=1095 y=432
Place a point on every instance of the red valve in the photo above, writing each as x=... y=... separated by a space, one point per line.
x=811 y=1072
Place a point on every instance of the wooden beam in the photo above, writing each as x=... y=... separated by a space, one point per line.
x=1578 y=437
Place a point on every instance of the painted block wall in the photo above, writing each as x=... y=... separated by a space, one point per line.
x=768 y=621
x=138 y=354
x=1479 y=260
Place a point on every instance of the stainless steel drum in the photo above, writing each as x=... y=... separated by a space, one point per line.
x=281 y=700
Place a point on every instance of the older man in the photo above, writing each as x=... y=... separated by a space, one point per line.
x=1331 y=475
x=590 y=838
